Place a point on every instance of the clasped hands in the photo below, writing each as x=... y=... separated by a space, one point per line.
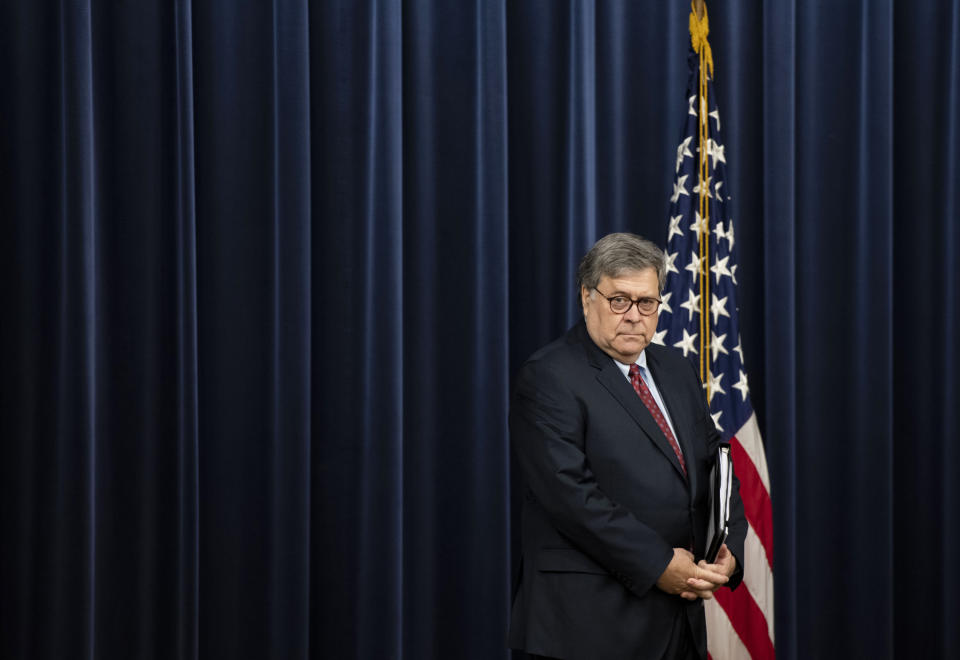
x=690 y=580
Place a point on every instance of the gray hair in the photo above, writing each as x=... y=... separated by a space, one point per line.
x=615 y=254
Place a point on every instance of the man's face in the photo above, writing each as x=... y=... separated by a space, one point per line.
x=621 y=336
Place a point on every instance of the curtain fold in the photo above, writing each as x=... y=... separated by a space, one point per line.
x=268 y=270
x=376 y=293
x=291 y=298
x=73 y=560
x=925 y=313
x=780 y=416
x=185 y=634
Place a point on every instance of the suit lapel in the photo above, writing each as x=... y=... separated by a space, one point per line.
x=670 y=387
x=611 y=378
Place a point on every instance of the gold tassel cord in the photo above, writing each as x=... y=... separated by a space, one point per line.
x=699 y=29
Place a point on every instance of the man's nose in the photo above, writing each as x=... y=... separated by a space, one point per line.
x=633 y=314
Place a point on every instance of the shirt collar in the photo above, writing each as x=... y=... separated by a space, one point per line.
x=625 y=368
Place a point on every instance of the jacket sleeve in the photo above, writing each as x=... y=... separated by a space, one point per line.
x=547 y=426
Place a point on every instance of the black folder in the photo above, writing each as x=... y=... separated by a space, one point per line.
x=721 y=485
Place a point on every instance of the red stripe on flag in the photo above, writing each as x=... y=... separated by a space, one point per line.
x=756 y=500
x=748 y=621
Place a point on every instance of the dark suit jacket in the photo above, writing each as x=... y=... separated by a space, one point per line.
x=606 y=502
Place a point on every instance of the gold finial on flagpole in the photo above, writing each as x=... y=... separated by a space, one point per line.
x=699 y=29
x=699 y=8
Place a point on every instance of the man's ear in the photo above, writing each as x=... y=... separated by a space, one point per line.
x=584 y=297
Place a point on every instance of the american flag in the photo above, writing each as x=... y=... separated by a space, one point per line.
x=699 y=316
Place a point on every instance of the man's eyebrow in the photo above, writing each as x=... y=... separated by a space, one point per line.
x=624 y=294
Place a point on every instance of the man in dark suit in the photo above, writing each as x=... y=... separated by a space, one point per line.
x=615 y=441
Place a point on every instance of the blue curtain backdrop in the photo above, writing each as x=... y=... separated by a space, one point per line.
x=268 y=269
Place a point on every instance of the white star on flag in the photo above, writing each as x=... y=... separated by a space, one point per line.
x=665 y=302
x=716 y=420
x=683 y=151
x=729 y=236
x=686 y=344
x=714 y=387
x=696 y=188
x=679 y=189
x=675 y=226
x=698 y=224
x=716 y=345
x=692 y=305
x=718 y=307
x=668 y=264
x=742 y=385
x=719 y=268
x=715 y=151
x=717 y=229
x=694 y=266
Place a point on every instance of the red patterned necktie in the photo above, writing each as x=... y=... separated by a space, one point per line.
x=644 y=393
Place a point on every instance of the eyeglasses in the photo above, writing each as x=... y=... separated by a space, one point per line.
x=622 y=304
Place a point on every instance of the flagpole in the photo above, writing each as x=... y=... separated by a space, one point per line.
x=699 y=29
